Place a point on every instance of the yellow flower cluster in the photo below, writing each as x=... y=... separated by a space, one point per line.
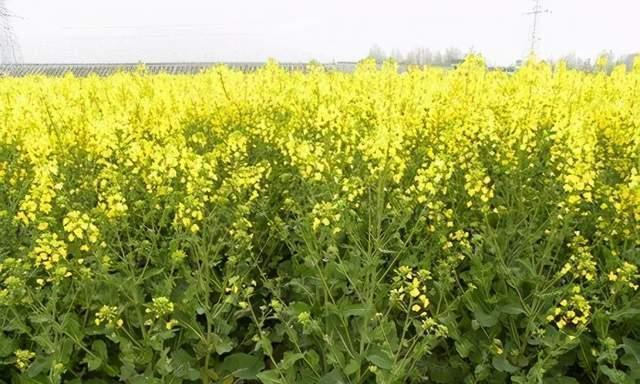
x=478 y=184
x=109 y=316
x=238 y=292
x=580 y=166
x=80 y=227
x=324 y=215
x=102 y=176
x=627 y=204
x=432 y=327
x=178 y=256
x=410 y=289
x=23 y=358
x=581 y=262
x=431 y=179
x=190 y=215
x=49 y=251
x=626 y=275
x=573 y=312
x=304 y=318
x=159 y=307
x=112 y=203
x=39 y=200
x=110 y=198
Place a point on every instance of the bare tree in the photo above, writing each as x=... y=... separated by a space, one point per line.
x=397 y=55
x=587 y=64
x=627 y=60
x=452 y=56
x=575 y=62
x=609 y=59
x=420 y=56
x=377 y=53
x=438 y=60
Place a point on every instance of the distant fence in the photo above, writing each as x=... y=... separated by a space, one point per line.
x=82 y=70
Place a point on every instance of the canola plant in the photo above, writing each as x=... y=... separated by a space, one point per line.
x=465 y=226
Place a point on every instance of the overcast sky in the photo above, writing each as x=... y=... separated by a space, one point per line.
x=326 y=30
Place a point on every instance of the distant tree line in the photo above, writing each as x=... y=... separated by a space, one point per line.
x=452 y=56
x=419 y=56
x=588 y=64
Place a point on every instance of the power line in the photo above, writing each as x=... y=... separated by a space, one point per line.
x=9 y=49
x=536 y=12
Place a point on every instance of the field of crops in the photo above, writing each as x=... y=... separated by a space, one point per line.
x=465 y=226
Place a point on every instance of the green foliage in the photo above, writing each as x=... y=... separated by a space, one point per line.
x=280 y=228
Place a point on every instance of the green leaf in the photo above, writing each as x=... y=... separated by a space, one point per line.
x=333 y=377
x=298 y=307
x=616 y=376
x=441 y=371
x=98 y=355
x=351 y=367
x=290 y=359
x=355 y=310
x=630 y=361
x=270 y=377
x=481 y=371
x=39 y=379
x=7 y=346
x=100 y=348
x=464 y=346
x=222 y=344
x=71 y=324
x=631 y=347
x=40 y=318
x=380 y=357
x=242 y=365
x=313 y=358
x=182 y=362
x=600 y=323
x=512 y=309
x=503 y=365
x=40 y=364
x=560 y=380
x=625 y=314
x=93 y=362
x=486 y=319
x=266 y=345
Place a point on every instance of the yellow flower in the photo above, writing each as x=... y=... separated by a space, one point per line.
x=23 y=358
x=108 y=315
x=171 y=323
x=160 y=306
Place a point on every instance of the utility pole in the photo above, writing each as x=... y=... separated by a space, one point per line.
x=9 y=49
x=536 y=12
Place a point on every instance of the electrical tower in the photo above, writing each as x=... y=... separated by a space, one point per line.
x=536 y=12
x=9 y=49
